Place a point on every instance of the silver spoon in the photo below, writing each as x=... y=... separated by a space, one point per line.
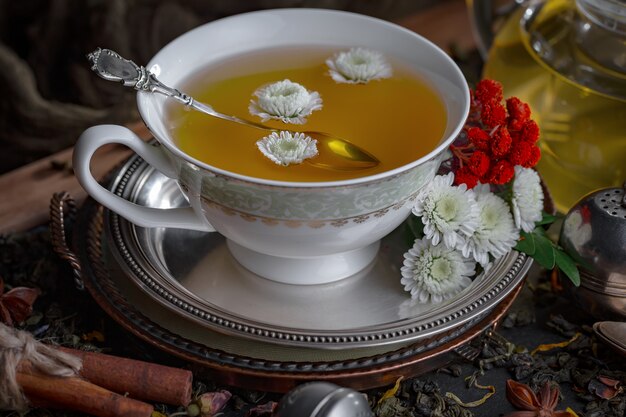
x=335 y=153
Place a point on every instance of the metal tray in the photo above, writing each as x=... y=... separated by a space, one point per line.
x=193 y=275
x=238 y=361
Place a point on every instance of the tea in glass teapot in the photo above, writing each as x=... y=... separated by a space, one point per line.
x=567 y=59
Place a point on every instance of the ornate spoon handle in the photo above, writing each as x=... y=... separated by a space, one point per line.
x=112 y=66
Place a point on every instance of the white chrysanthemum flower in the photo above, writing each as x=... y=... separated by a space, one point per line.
x=358 y=65
x=527 y=201
x=286 y=101
x=286 y=148
x=435 y=273
x=496 y=233
x=448 y=212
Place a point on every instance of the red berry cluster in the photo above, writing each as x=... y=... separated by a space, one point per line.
x=498 y=138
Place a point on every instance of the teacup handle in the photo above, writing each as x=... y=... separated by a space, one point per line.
x=98 y=136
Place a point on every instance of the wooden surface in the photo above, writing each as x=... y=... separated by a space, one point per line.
x=25 y=192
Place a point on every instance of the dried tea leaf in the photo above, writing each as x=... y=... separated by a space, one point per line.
x=476 y=403
x=391 y=407
x=558 y=323
x=34 y=319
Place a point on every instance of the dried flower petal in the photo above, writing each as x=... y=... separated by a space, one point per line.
x=548 y=396
x=604 y=387
x=263 y=410
x=522 y=414
x=5 y=316
x=17 y=304
x=521 y=396
x=391 y=392
x=211 y=403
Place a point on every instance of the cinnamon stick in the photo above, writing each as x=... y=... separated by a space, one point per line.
x=77 y=394
x=141 y=380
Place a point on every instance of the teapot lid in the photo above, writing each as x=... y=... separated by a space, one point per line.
x=594 y=234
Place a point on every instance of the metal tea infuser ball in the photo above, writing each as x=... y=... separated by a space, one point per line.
x=322 y=399
x=594 y=235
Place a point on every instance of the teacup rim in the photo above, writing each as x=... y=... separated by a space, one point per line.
x=316 y=184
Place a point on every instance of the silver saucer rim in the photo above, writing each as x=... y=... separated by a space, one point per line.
x=121 y=235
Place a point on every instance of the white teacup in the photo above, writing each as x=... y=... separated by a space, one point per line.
x=297 y=233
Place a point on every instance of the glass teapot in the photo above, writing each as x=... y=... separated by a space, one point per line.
x=567 y=59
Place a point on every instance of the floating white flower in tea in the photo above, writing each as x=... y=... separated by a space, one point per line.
x=448 y=212
x=286 y=101
x=435 y=273
x=358 y=65
x=496 y=233
x=527 y=198
x=285 y=148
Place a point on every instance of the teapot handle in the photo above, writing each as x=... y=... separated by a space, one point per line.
x=482 y=14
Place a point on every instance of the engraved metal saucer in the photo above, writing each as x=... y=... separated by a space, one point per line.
x=193 y=275
x=237 y=361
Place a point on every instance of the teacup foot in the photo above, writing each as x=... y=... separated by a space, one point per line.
x=305 y=271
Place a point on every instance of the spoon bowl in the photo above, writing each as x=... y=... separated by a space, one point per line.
x=336 y=153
